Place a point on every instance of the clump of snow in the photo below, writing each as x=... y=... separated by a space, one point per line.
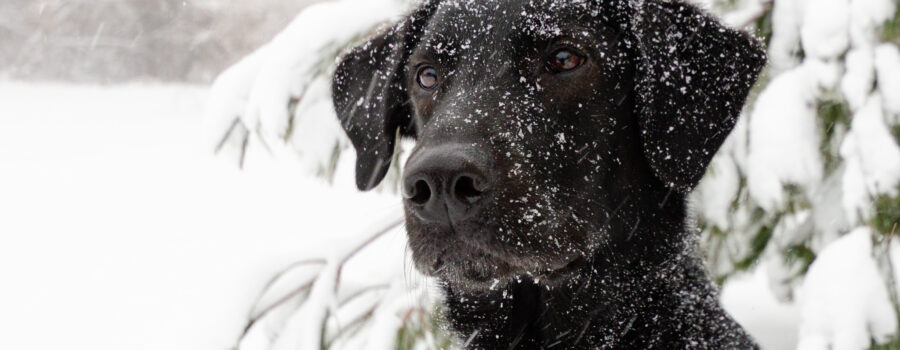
x=745 y=12
x=887 y=66
x=872 y=157
x=784 y=138
x=866 y=18
x=790 y=231
x=223 y=131
x=714 y=196
x=864 y=28
x=785 y=42
x=718 y=190
x=250 y=103
x=859 y=78
x=823 y=32
x=824 y=29
x=829 y=221
x=844 y=301
x=771 y=322
x=316 y=134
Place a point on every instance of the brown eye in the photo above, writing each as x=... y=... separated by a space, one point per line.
x=427 y=78
x=565 y=60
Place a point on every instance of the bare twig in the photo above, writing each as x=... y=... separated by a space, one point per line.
x=892 y=278
x=362 y=292
x=390 y=226
x=253 y=319
x=361 y=318
x=231 y=129
x=355 y=322
x=270 y=308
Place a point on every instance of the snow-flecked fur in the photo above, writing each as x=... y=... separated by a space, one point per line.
x=583 y=243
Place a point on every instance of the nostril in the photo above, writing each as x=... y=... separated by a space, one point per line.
x=466 y=190
x=421 y=192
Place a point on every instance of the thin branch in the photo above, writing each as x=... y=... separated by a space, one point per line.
x=892 y=278
x=234 y=125
x=280 y=274
x=393 y=225
x=355 y=322
x=252 y=322
x=253 y=319
x=362 y=292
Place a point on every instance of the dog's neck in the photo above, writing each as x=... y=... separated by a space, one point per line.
x=646 y=289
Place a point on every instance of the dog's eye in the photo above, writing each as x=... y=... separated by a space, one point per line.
x=565 y=60
x=427 y=77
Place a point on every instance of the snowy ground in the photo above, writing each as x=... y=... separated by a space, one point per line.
x=118 y=231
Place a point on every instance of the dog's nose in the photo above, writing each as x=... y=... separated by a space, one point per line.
x=446 y=184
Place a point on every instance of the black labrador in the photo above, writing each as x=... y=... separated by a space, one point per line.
x=557 y=141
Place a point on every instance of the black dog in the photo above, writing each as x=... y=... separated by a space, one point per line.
x=556 y=143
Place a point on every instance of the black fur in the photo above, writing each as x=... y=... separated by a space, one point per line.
x=581 y=242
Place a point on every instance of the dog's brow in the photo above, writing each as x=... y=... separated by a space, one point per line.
x=437 y=48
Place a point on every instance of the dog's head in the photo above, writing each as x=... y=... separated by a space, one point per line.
x=534 y=117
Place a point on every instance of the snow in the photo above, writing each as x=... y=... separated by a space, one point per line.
x=784 y=138
x=866 y=18
x=771 y=322
x=887 y=66
x=717 y=191
x=745 y=13
x=844 y=300
x=823 y=33
x=864 y=28
x=253 y=95
x=133 y=237
x=873 y=161
x=310 y=315
x=786 y=20
x=788 y=233
x=859 y=77
x=119 y=230
x=825 y=29
x=820 y=51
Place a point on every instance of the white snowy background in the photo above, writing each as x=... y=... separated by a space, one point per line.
x=119 y=229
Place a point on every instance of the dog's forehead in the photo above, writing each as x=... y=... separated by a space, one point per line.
x=499 y=22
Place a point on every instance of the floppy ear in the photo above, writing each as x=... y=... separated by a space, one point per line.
x=371 y=99
x=693 y=77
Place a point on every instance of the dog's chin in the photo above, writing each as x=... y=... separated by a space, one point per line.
x=472 y=269
x=479 y=280
x=462 y=266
